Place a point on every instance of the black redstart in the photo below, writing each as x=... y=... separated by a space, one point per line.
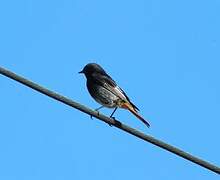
x=106 y=92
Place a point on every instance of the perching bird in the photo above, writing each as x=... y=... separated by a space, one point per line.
x=106 y=92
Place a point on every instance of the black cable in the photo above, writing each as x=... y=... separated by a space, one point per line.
x=110 y=121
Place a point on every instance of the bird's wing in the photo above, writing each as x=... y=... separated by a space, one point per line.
x=118 y=89
x=107 y=82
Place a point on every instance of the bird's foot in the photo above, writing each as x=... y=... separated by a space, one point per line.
x=116 y=121
x=109 y=124
x=91 y=116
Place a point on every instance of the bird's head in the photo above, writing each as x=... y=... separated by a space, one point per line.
x=91 y=68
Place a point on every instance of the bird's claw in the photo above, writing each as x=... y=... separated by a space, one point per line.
x=97 y=111
x=113 y=119
x=91 y=116
x=109 y=124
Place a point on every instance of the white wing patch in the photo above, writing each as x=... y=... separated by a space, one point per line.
x=117 y=91
x=120 y=93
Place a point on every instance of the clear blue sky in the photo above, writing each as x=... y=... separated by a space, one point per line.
x=164 y=54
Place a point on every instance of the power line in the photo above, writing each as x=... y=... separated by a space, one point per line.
x=110 y=121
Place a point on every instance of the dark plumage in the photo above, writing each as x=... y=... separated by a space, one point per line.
x=105 y=90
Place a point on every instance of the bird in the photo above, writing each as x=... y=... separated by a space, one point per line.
x=106 y=92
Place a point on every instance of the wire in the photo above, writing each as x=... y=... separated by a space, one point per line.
x=110 y=121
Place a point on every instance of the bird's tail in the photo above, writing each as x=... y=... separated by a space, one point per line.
x=128 y=106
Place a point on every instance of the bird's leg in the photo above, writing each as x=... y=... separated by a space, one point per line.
x=113 y=113
x=97 y=109
x=117 y=122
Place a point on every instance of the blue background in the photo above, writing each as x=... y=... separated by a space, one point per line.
x=164 y=54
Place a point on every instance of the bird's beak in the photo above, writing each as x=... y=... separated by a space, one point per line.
x=80 y=72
